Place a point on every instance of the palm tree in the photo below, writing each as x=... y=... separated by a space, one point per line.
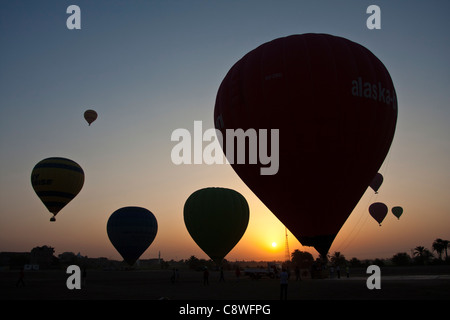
x=419 y=251
x=439 y=246
x=422 y=255
x=337 y=259
x=446 y=244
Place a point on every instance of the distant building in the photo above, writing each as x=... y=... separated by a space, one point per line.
x=147 y=262
x=14 y=260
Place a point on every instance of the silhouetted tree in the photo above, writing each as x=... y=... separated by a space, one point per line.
x=401 y=259
x=355 y=263
x=422 y=255
x=440 y=246
x=378 y=262
x=446 y=245
x=302 y=259
x=43 y=256
x=338 y=259
x=193 y=262
x=323 y=258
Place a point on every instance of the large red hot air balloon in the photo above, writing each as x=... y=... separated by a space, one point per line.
x=335 y=106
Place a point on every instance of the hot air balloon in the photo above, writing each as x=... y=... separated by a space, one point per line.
x=376 y=182
x=90 y=116
x=378 y=211
x=216 y=218
x=397 y=211
x=335 y=108
x=131 y=230
x=57 y=181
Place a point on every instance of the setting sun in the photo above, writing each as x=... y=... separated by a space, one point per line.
x=274 y=244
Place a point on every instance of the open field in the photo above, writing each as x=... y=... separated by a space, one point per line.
x=155 y=284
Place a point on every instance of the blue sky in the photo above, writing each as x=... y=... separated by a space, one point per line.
x=150 y=67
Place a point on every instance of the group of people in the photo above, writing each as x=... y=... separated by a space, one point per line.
x=284 y=276
x=338 y=271
x=206 y=276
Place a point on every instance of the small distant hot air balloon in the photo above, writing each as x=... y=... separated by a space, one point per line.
x=216 y=218
x=397 y=211
x=376 y=182
x=57 y=181
x=131 y=230
x=90 y=116
x=378 y=211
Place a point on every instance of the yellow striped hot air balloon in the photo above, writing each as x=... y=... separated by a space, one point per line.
x=57 y=181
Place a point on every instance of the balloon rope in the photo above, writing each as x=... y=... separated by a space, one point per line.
x=349 y=239
x=358 y=225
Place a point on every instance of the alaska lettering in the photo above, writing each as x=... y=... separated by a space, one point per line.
x=374 y=91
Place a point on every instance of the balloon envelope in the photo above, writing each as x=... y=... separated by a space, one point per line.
x=216 y=218
x=335 y=109
x=378 y=211
x=90 y=116
x=131 y=230
x=397 y=211
x=57 y=181
x=376 y=182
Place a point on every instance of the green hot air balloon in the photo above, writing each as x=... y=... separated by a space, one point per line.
x=216 y=218
x=397 y=211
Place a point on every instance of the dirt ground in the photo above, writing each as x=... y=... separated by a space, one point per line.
x=156 y=284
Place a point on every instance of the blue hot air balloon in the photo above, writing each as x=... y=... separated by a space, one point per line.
x=131 y=230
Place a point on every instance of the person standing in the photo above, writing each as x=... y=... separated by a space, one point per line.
x=83 y=276
x=21 y=276
x=221 y=275
x=238 y=273
x=205 y=277
x=283 y=284
x=297 y=273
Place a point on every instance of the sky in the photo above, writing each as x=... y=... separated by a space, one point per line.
x=151 y=67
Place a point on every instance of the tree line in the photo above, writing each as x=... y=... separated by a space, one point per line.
x=44 y=256
x=419 y=256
